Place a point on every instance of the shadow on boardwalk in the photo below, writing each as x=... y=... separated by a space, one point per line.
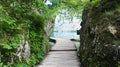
x=62 y=54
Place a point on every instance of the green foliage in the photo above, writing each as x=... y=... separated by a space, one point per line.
x=56 y=2
x=1 y=64
x=110 y=13
x=118 y=63
x=18 y=18
x=95 y=2
x=118 y=8
x=74 y=7
x=28 y=17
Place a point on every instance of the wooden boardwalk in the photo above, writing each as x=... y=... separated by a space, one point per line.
x=62 y=54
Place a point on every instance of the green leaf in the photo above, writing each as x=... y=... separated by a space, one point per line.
x=5 y=66
x=14 y=45
x=7 y=47
x=1 y=64
x=19 y=65
x=9 y=21
x=1 y=7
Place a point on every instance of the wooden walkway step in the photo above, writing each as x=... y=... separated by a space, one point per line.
x=62 y=54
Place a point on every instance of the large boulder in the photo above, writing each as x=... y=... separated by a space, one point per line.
x=100 y=34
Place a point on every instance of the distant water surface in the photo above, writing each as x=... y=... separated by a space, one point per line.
x=66 y=35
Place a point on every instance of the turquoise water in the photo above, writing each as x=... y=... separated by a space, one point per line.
x=51 y=43
x=66 y=35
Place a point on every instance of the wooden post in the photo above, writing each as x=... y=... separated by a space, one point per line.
x=78 y=32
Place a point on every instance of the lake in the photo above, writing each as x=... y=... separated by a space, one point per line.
x=65 y=34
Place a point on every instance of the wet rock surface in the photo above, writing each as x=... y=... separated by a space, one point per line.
x=100 y=34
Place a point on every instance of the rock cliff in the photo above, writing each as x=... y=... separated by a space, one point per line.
x=48 y=29
x=24 y=48
x=100 y=34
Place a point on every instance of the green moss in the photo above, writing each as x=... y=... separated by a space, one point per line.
x=96 y=2
x=118 y=8
x=110 y=13
x=116 y=42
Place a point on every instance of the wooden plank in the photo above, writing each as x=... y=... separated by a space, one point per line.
x=63 y=58
x=63 y=44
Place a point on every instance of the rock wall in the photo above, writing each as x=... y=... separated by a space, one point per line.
x=48 y=29
x=100 y=34
x=23 y=52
